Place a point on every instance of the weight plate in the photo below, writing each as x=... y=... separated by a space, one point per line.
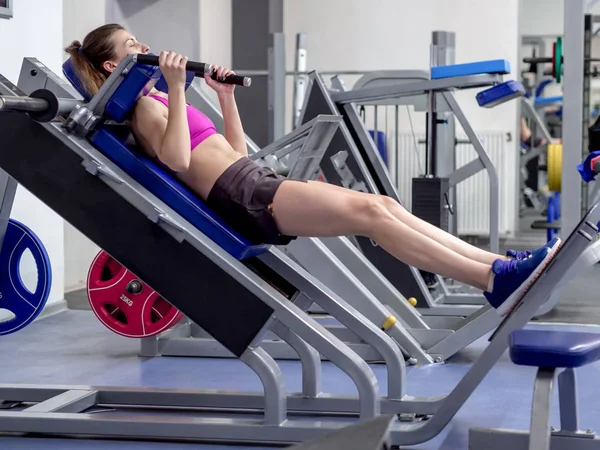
x=124 y=303
x=24 y=304
x=554 y=167
x=558 y=59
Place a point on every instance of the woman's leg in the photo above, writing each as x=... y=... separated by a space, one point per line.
x=437 y=234
x=311 y=209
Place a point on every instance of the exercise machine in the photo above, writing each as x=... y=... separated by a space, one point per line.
x=90 y=175
x=166 y=333
x=365 y=170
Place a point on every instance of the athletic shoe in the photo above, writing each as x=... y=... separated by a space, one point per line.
x=524 y=254
x=513 y=278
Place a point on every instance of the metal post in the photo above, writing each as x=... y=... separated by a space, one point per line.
x=276 y=87
x=300 y=80
x=585 y=107
x=573 y=44
x=8 y=189
x=567 y=400
x=443 y=45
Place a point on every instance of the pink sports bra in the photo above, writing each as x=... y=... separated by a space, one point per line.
x=201 y=126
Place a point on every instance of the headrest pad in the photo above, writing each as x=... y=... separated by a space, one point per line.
x=71 y=74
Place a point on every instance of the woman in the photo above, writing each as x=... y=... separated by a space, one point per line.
x=267 y=208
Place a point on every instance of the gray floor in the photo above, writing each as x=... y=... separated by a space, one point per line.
x=73 y=348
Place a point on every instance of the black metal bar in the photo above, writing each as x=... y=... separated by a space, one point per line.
x=199 y=68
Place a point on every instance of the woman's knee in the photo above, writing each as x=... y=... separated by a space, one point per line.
x=370 y=213
x=389 y=202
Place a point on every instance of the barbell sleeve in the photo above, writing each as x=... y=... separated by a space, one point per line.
x=42 y=105
x=548 y=60
x=23 y=104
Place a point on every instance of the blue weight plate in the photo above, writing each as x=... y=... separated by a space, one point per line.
x=14 y=295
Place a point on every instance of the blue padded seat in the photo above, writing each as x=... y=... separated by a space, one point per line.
x=553 y=349
x=496 y=66
x=112 y=142
x=501 y=93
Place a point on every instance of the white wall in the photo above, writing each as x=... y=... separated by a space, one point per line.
x=162 y=24
x=215 y=35
x=546 y=17
x=36 y=34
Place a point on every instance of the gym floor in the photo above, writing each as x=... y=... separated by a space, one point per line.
x=72 y=347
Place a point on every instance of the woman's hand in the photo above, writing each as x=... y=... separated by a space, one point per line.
x=218 y=87
x=172 y=66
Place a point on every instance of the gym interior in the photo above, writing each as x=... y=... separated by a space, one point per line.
x=132 y=316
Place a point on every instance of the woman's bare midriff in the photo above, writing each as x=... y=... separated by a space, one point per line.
x=209 y=160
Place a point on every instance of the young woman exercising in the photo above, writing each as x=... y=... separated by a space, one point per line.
x=267 y=208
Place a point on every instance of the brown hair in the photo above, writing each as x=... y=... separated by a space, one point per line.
x=89 y=56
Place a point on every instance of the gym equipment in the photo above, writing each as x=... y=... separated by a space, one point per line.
x=555 y=167
x=557 y=60
x=359 y=166
x=371 y=434
x=24 y=305
x=124 y=303
x=198 y=68
x=556 y=354
x=588 y=170
x=537 y=197
x=42 y=105
x=165 y=233
x=339 y=264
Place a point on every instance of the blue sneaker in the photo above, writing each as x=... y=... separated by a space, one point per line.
x=513 y=278
x=520 y=255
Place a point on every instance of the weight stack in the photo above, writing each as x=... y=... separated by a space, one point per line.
x=429 y=200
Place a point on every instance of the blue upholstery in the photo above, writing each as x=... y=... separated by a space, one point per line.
x=111 y=140
x=173 y=193
x=548 y=100
x=501 y=93
x=500 y=66
x=555 y=349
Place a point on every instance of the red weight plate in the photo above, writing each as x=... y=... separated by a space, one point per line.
x=135 y=315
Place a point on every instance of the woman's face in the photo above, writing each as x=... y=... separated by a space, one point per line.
x=124 y=44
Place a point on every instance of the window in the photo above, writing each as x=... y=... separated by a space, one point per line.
x=6 y=9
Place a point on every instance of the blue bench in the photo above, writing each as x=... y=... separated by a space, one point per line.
x=112 y=141
x=496 y=66
x=494 y=96
x=499 y=94
x=554 y=353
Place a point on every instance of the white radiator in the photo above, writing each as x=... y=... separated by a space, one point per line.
x=473 y=201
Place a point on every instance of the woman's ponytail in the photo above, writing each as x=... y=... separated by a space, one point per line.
x=89 y=57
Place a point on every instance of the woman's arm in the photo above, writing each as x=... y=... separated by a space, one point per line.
x=168 y=139
x=234 y=132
